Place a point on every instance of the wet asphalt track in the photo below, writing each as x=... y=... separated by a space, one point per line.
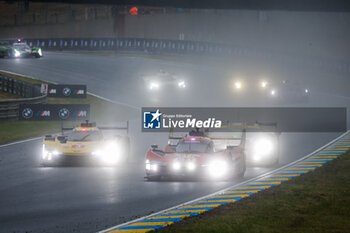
x=87 y=199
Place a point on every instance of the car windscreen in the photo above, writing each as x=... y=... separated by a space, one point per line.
x=84 y=136
x=192 y=147
x=21 y=46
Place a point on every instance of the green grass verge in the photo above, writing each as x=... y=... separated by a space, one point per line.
x=318 y=201
x=6 y=96
x=101 y=111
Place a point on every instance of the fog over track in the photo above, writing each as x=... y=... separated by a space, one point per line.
x=87 y=199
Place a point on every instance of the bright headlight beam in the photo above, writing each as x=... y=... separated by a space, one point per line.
x=263 y=84
x=176 y=166
x=55 y=152
x=154 y=167
x=191 y=166
x=44 y=152
x=218 y=168
x=110 y=154
x=154 y=86
x=273 y=92
x=17 y=53
x=263 y=146
x=238 y=85
x=181 y=84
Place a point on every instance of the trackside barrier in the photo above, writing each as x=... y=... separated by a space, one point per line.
x=9 y=109
x=30 y=92
x=182 y=47
x=18 y=87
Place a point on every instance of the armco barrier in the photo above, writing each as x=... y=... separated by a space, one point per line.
x=18 y=87
x=133 y=44
x=30 y=92
x=179 y=47
x=9 y=108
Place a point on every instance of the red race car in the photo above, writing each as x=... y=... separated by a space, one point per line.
x=198 y=155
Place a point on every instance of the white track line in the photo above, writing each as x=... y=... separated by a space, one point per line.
x=223 y=190
x=19 y=142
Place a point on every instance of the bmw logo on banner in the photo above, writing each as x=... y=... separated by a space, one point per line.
x=54 y=112
x=63 y=113
x=66 y=91
x=27 y=113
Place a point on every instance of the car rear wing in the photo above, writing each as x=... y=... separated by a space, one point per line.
x=173 y=140
x=121 y=126
x=239 y=127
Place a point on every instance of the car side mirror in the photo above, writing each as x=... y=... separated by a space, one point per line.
x=154 y=147
x=62 y=139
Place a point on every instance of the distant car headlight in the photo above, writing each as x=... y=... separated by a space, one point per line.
x=17 y=53
x=263 y=84
x=181 y=84
x=154 y=85
x=218 y=168
x=40 y=52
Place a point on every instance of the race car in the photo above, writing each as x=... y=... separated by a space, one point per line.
x=19 y=49
x=163 y=78
x=289 y=92
x=198 y=155
x=85 y=143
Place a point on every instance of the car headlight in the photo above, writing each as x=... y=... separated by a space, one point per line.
x=49 y=154
x=176 y=165
x=154 y=167
x=44 y=152
x=151 y=166
x=181 y=84
x=218 y=168
x=56 y=152
x=109 y=154
x=190 y=166
x=17 y=53
x=154 y=85
x=263 y=147
x=148 y=164
x=40 y=52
